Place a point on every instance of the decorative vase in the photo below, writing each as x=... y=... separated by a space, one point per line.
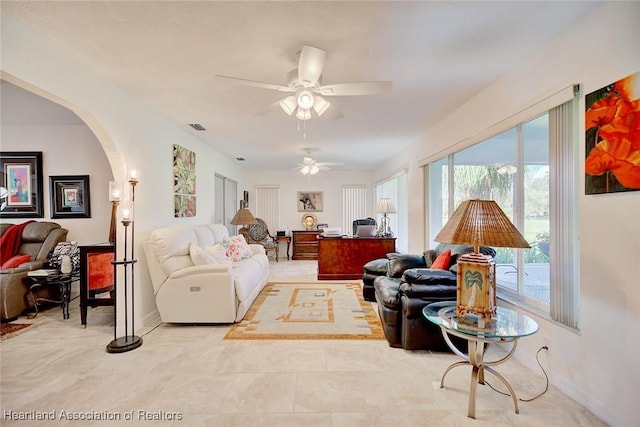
x=65 y=265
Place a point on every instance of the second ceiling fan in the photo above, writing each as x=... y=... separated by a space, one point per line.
x=305 y=85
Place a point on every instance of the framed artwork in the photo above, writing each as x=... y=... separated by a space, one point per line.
x=184 y=181
x=70 y=196
x=612 y=114
x=21 y=184
x=310 y=201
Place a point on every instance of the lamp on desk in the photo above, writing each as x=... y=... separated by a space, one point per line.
x=385 y=207
x=243 y=217
x=479 y=223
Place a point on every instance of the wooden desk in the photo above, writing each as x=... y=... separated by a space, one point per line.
x=343 y=258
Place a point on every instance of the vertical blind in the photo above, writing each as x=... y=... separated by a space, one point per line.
x=267 y=206
x=354 y=205
x=563 y=225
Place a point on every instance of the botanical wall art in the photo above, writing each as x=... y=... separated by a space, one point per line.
x=184 y=181
x=70 y=196
x=612 y=135
x=21 y=184
x=310 y=201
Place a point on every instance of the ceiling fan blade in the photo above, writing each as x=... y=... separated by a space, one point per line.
x=253 y=83
x=356 y=88
x=310 y=65
x=325 y=164
x=333 y=114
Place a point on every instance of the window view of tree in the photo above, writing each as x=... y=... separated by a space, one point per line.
x=511 y=168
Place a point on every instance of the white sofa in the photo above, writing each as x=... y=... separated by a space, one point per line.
x=217 y=292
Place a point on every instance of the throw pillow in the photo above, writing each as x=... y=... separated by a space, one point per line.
x=443 y=261
x=219 y=252
x=199 y=256
x=16 y=261
x=237 y=248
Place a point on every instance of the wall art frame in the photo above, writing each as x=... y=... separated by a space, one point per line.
x=612 y=139
x=21 y=182
x=69 y=196
x=184 y=182
x=310 y=201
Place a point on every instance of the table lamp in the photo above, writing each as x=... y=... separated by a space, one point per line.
x=385 y=207
x=244 y=217
x=479 y=223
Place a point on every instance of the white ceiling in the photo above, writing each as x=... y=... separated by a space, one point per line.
x=166 y=53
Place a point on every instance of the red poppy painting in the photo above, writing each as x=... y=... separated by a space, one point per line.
x=612 y=136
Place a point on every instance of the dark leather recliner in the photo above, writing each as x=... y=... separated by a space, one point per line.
x=38 y=240
x=407 y=286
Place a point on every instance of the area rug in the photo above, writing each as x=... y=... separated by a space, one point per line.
x=309 y=310
x=9 y=330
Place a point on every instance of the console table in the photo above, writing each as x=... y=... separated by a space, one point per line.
x=508 y=326
x=344 y=257
x=305 y=244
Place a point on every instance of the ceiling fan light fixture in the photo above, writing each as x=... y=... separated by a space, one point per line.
x=303 y=114
x=314 y=170
x=305 y=99
x=320 y=105
x=304 y=170
x=289 y=104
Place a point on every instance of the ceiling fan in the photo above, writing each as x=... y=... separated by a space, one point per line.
x=310 y=167
x=305 y=84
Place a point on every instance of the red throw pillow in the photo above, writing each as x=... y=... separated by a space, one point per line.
x=443 y=261
x=15 y=261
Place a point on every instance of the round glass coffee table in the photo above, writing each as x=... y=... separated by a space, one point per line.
x=508 y=326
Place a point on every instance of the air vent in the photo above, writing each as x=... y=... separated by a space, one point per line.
x=197 y=126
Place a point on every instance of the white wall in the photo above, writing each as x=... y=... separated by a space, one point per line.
x=330 y=182
x=68 y=150
x=131 y=135
x=597 y=365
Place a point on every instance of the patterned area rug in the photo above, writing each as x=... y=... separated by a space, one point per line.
x=8 y=330
x=309 y=310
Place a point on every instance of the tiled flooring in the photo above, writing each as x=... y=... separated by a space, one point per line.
x=191 y=373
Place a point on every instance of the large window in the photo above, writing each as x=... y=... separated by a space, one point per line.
x=515 y=168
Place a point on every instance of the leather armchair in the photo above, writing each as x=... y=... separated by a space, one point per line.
x=406 y=286
x=38 y=240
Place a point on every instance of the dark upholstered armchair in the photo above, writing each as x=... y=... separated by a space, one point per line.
x=38 y=240
x=403 y=284
x=259 y=233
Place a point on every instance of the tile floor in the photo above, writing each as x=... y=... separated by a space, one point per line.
x=190 y=376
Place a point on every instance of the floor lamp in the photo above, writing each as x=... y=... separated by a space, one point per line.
x=129 y=341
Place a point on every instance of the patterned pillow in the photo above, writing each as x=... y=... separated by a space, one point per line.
x=237 y=248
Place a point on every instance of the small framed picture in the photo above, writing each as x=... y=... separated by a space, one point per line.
x=310 y=201
x=70 y=196
x=21 y=184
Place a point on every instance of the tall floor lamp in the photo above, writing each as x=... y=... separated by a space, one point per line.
x=129 y=341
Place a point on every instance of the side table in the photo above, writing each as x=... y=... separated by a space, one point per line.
x=508 y=326
x=54 y=279
x=286 y=239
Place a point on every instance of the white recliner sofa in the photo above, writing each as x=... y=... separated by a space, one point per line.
x=199 y=292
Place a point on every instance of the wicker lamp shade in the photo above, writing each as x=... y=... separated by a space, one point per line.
x=243 y=217
x=481 y=223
